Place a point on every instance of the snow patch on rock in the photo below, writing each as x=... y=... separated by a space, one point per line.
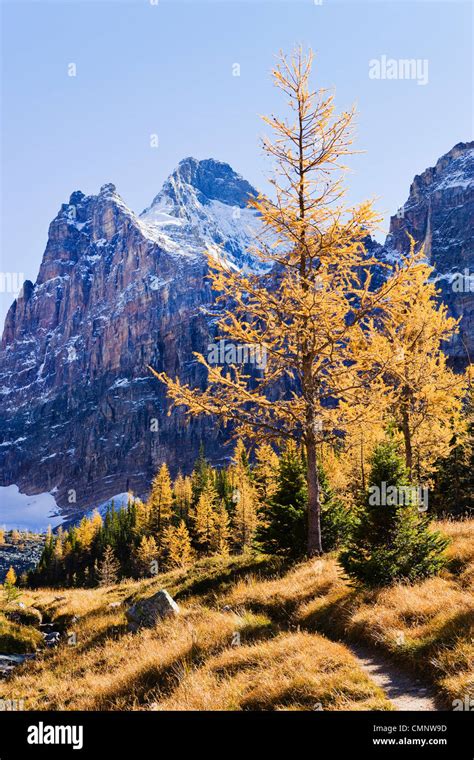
x=35 y=512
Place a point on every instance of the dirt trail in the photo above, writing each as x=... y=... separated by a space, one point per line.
x=405 y=691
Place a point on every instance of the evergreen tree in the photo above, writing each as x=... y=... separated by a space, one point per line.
x=201 y=476
x=224 y=487
x=284 y=529
x=391 y=541
x=453 y=482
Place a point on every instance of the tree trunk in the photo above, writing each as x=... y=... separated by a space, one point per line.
x=314 y=502
x=362 y=468
x=407 y=439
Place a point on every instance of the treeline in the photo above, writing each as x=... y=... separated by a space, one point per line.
x=211 y=512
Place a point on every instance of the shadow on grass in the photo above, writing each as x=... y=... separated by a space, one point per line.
x=153 y=681
x=113 y=632
x=282 y=610
x=226 y=576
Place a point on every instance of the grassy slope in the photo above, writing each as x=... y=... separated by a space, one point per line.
x=286 y=620
x=429 y=626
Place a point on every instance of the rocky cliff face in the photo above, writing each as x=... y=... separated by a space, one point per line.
x=439 y=213
x=81 y=415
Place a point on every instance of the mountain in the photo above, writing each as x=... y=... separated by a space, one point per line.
x=439 y=213
x=81 y=416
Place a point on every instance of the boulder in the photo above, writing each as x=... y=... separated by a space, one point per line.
x=147 y=613
x=52 y=639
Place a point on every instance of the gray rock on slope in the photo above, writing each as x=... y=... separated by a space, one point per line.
x=146 y=613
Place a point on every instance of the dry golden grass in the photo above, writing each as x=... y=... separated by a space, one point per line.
x=281 y=597
x=283 y=662
x=428 y=626
x=296 y=671
x=18 y=639
x=109 y=668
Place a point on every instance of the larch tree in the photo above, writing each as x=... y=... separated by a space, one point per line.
x=15 y=536
x=245 y=517
x=146 y=554
x=10 y=577
x=313 y=313
x=142 y=517
x=107 y=572
x=426 y=396
x=204 y=517
x=221 y=531
x=96 y=521
x=87 y=529
x=266 y=472
x=10 y=591
x=160 y=502
x=183 y=494
x=244 y=497
x=177 y=544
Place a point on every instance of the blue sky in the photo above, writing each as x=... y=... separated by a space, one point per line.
x=166 y=69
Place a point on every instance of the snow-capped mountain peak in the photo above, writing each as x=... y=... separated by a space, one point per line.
x=203 y=204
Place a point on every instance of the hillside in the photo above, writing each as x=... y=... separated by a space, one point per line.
x=252 y=634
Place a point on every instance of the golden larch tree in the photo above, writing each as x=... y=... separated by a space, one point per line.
x=183 y=494
x=426 y=396
x=160 y=502
x=146 y=554
x=265 y=472
x=221 y=531
x=10 y=577
x=177 y=545
x=313 y=313
x=204 y=517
